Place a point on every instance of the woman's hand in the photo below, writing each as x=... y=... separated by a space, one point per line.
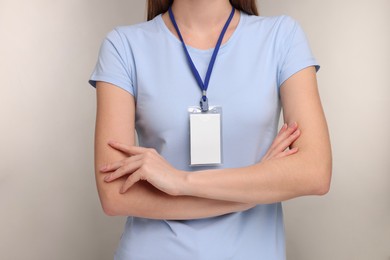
x=147 y=165
x=285 y=138
x=144 y=164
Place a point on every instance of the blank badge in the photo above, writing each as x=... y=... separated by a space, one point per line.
x=205 y=135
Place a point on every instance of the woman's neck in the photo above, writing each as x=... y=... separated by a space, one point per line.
x=201 y=21
x=201 y=14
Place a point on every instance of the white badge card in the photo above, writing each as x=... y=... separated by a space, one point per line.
x=205 y=136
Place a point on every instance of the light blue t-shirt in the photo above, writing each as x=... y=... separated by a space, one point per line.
x=148 y=61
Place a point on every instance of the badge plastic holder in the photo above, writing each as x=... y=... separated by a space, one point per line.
x=205 y=136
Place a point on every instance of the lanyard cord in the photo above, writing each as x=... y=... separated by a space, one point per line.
x=203 y=86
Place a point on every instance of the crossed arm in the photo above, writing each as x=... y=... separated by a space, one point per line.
x=167 y=193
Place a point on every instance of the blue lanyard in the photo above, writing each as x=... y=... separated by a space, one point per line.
x=203 y=86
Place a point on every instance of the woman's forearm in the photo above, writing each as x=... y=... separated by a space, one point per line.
x=263 y=183
x=143 y=200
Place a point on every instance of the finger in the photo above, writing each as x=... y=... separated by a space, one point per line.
x=283 y=145
x=121 y=147
x=281 y=154
x=291 y=128
x=131 y=165
x=125 y=148
x=282 y=141
x=279 y=135
x=128 y=149
x=131 y=180
x=284 y=127
x=291 y=151
x=111 y=166
x=284 y=133
x=287 y=153
x=275 y=142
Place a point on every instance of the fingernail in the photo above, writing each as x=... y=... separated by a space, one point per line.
x=284 y=126
x=292 y=125
x=107 y=177
x=103 y=168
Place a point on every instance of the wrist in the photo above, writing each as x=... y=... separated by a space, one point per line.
x=184 y=188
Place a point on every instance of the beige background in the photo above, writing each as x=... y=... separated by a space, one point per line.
x=48 y=203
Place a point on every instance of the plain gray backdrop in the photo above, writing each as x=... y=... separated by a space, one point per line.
x=49 y=207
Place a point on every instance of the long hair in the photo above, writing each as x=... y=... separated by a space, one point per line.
x=156 y=7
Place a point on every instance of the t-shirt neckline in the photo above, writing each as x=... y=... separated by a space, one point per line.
x=162 y=24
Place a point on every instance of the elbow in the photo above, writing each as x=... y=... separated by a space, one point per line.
x=322 y=189
x=319 y=173
x=109 y=205
x=109 y=209
x=321 y=184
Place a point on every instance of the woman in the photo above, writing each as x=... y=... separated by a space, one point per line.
x=228 y=208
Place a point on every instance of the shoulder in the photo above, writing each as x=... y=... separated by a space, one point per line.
x=276 y=32
x=128 y=33
x=276 y=24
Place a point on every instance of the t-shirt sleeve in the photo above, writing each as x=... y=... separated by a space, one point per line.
x=112 y=65
x=295 y=52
